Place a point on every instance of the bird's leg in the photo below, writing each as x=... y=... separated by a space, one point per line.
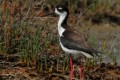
x=72 y=68
x=80 y=72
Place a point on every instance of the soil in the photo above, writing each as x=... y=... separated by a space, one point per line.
x=11 y=69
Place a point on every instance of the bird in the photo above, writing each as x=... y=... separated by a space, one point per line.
x=70 y=40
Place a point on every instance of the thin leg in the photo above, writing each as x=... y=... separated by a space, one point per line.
x=80 y=72
x=72 y=69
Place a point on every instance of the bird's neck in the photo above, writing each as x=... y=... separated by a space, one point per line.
x=62 y=24
x=63 y=20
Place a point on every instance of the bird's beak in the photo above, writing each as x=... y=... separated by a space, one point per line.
x=43 y=14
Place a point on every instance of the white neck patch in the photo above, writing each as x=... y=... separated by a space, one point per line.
x=62 y=17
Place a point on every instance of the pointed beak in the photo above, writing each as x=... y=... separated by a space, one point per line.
x=43 y=14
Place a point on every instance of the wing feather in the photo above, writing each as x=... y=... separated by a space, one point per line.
x=73 y=40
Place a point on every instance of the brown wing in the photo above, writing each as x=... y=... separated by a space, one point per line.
x=78 y=38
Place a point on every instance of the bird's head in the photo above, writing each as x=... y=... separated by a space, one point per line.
x=61 y=10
